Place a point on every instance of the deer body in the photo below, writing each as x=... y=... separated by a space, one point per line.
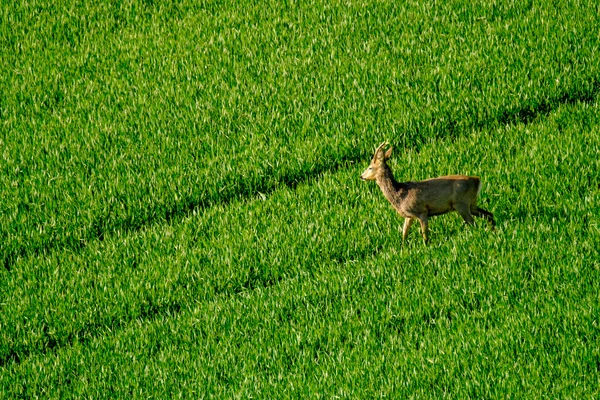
x=424 y=199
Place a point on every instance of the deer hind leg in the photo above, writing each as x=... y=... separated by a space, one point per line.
x=465 y=212
x=407 y=223
x=481 y=213
x=424 y=226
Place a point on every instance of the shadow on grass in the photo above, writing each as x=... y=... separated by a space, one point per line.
x=100 y=229
x=531 y=110
x=525 y=113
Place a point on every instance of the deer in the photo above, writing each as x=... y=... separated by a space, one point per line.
x=428 y=198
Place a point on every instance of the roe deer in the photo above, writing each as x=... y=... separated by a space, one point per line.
x=428 y=198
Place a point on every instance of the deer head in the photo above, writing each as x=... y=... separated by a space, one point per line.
x=379 y=159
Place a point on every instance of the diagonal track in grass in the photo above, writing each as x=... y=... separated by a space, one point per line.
x=99 y=230
x=344 y=157
x=587 y=93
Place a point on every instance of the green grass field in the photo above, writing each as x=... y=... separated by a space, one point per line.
x=181 y=214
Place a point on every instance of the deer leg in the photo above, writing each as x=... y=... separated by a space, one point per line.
x=407 y=223
x=481 y=213
x=465 y=213
x=424 y=226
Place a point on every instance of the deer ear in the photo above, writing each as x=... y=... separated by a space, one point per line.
x=388 y=153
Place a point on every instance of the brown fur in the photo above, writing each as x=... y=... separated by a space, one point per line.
x=424 y=199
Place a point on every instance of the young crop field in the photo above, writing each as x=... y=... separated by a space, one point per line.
x=181 y=214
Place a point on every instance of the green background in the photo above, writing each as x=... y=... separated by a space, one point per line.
x=181 y=214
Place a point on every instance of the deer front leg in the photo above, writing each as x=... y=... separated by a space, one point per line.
x=424 y=226
x=407 y=223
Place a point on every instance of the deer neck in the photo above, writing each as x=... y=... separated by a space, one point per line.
x=386 y=182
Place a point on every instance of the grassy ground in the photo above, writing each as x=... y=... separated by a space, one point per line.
x=181 y=212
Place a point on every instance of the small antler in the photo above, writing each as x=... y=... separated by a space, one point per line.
x=382 y=145
x=379 y=151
